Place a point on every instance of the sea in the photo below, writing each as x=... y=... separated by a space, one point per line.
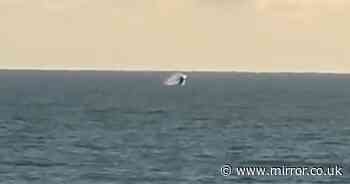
x=106 y=127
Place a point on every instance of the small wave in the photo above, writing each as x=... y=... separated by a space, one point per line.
x=204 y=156
x=284 y=162
x=200 y=119
x=300 y=119
x=102 y=110
x=28 y=163
x=340 y=143
x=90 y=146
x=240 y=148
x=156 y=111
x=151 y=111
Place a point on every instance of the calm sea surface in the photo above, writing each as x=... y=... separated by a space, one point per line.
x=126 y=127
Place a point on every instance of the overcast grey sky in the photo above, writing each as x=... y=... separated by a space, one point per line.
x=240 y=35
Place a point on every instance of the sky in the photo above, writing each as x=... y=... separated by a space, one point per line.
x=194 y=35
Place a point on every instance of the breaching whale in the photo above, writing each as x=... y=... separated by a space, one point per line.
x=177 y=79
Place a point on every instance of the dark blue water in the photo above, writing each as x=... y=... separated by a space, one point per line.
x=126 y=127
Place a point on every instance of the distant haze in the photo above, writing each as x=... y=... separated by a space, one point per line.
x=222 y=35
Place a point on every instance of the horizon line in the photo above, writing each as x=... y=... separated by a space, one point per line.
x=172 y=70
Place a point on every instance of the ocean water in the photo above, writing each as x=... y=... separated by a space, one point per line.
x=126 y=127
